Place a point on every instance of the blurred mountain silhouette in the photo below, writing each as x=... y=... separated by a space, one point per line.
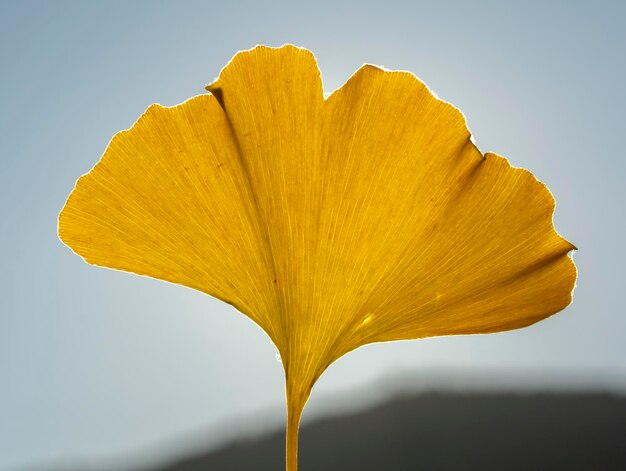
x=444 y=431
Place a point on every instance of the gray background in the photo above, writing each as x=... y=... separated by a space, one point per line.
x=105 y=367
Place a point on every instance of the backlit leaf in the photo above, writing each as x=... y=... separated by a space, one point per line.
x=369 y=216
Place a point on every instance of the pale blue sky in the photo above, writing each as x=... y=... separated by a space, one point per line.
x=96 y=363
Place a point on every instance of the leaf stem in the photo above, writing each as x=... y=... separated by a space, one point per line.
x=295 y=405
x=292 y=443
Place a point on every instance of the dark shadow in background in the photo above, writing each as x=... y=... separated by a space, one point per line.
x=438 y=431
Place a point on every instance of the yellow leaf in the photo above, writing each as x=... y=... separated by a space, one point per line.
x=366 y=217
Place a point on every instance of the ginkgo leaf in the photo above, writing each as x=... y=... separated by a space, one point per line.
x=332 y=223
